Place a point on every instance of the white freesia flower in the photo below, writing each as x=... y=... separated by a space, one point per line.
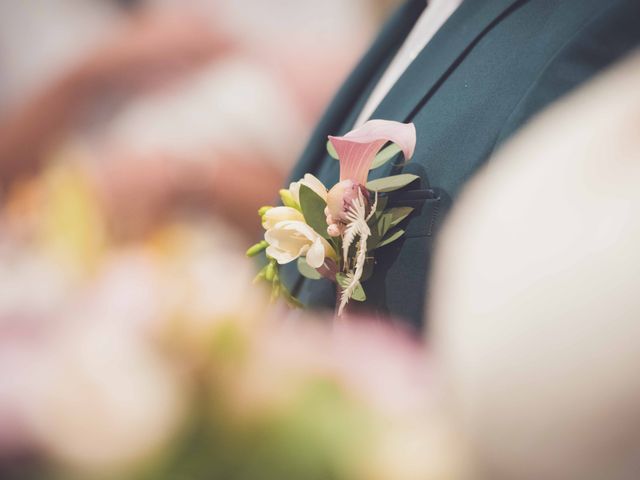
x=276 y=215
x=289 y=240
x=309 y=181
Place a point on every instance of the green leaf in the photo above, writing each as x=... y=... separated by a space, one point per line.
x=307 y=271
x=385 y=155
x=384 y=224
x=389 y=184
x=331 y=150
x=358 y=293
x=312 y=206
x=367 y=272
x=270 y=271
x=391 y=238
x=379 y=229
x=372 y=242
x=398 y=214
x=382 y=203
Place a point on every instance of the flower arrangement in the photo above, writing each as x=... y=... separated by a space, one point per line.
x=332 y=233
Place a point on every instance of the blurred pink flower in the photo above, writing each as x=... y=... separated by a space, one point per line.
x=384 y=364
x=105 y=399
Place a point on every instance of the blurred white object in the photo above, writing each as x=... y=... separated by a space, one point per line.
x=65 y=31
x=292 y=55
x=536 y=293
x=330 y=23
x=92 y=415
x=31 y=288
x=231 y=106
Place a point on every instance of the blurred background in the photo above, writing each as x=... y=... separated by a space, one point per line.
x=171 y=104
x=137 y=141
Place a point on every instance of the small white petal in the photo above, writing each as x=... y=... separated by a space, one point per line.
x=316 y=185
x=280 y=214
x=294 y=188
x=281 y=256
x=315 y=255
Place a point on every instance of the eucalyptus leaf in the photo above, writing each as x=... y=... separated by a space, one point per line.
x=391 y=238
x=307 y=271
x=358 y=293
x=372 y=242
x=367 y=271
x=398 y=214
x=385 y=155
x=382 y=204
x=331 y=150
x=390 y=184
x=312 y=206
x=341 y=279
x=379 y=229
x=384 y=224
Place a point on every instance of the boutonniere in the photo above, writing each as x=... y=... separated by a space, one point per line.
x=332 y=233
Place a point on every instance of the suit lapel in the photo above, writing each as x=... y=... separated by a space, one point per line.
x=441 y=56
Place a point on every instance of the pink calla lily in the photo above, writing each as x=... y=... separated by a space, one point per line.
x=358 y=148
x=356 y=151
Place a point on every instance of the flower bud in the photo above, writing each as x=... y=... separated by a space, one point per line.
x=280 y=214
x=288 y=200
x=340 y=198
x=264 y=210
x=270 y=272
x=257 y=248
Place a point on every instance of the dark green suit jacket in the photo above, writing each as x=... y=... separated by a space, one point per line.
x=493 y=65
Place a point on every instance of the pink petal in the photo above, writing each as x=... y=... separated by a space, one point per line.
x=358 y=148
x=355 y=158
x=402 y=134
